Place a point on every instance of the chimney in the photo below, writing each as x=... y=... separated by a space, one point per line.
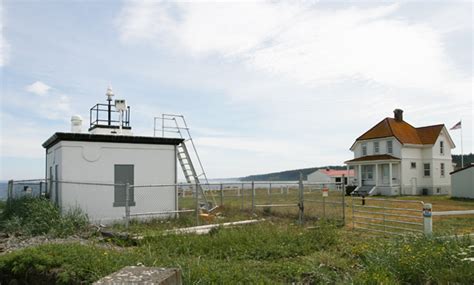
x=398 y=115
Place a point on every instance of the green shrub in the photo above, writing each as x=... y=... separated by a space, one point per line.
x=61 y=264
x=37 y=216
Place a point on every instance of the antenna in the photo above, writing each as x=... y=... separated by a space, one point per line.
x=109 y=94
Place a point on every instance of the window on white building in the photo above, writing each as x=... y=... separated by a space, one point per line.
x=441 y=147
x=442 y=169
x=427 y=169
x=376 y=147
x=364 y=149
x=390 y=147
x=413 y=165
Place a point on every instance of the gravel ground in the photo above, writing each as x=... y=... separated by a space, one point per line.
x=10 y=243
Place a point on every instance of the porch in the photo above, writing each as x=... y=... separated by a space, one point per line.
x=380 y=177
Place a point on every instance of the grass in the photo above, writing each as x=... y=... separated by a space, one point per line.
x=277 y=251
x=38 y=216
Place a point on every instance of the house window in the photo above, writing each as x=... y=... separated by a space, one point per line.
x=390 y=147
x=367 y=172
x=413 y=165
x=376 y=147
x=441 y=147
x=124 y=173
x=427 y=169
x=364 y=149
x=442 y=169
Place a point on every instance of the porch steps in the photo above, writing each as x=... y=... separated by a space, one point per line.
x=362 y=191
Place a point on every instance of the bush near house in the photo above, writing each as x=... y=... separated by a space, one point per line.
x=38 y=216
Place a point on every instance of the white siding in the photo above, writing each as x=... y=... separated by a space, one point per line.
x=382 y=147
x=463 y=183
x=94 y=162
x=318 y=177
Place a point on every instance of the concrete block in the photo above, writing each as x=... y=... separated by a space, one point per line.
x=139 y=275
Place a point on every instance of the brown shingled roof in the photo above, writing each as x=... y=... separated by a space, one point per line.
x=404 y=132
x=373 y=157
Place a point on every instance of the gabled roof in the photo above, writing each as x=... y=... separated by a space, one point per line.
x=374 y=157
x=403 y=132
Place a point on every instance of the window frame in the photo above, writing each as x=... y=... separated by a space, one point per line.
x=390 y=146
x=413 y=165
x=364 y=149
x=441 y=147
x=442 y=169
x=425 y=169
x=376 y=147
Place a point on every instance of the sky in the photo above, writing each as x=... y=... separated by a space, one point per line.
x=264 y=86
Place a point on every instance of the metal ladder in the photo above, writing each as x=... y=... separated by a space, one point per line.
x=192 y=176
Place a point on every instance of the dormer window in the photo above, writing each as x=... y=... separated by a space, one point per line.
x=441 y=147
x=364 y=149
x=390 y=147
x=376 y=147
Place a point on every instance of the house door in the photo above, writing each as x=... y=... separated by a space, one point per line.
x=385 y=174
x=123 y=173
x=413 y=185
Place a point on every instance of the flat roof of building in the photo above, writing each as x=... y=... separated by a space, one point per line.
x=85 y=137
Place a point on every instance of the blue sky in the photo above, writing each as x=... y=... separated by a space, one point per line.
x=265 y=86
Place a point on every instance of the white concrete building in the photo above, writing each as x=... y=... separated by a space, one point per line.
x=462 y=182
x=109 y=154
x=331 y=176
x=395 y=158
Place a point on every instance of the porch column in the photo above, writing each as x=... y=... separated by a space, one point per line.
x=376 y=174
x=390 y=174
x=359 y=174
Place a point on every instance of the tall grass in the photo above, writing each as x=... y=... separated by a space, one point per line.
x=37 y=216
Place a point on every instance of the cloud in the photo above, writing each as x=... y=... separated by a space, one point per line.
x=4 y=45
x=38 y=88
x=307 y=44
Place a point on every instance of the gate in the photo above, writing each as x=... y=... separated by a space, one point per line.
x=387 y=216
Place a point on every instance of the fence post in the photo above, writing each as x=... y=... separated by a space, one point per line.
x=270 y=200
x=324 y=202
x=301 y=202
x=222 y=194
x=196 y=196
x=127 y=205
x=10 y=189
x=253 y=198
x=427 y=219
x=242 y=196
x=343 y=200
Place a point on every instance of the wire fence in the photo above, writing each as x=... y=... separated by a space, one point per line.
x=108 y=203
x=301 y=201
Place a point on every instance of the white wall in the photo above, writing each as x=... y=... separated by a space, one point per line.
x=463 y=183
x=318 y=177
x=94 y=162
x=382 y=147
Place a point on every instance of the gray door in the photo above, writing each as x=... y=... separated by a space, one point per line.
x=123 y=173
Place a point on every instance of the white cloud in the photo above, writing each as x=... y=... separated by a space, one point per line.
x=4 y=45
x=302 y=43
x=38 y=88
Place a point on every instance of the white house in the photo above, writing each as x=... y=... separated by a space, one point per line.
x=331 y=176
x=109 y=154
x=462 y=182
x=395 y=158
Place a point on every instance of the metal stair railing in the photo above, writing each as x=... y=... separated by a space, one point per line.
x=184 y=156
